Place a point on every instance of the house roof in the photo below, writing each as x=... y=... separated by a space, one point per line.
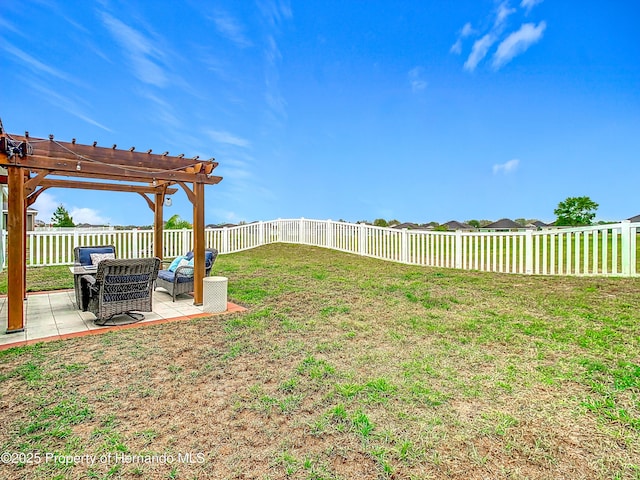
x=425 y=226
x=455 y=225
x=504 y=223
x=29 y=210
x=538 y=223
x=405 y=225
x=634 y=219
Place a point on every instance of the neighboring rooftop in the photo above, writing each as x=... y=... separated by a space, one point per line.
x=503 y=224
x=455 y=225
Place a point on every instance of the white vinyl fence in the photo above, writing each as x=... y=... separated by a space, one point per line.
x=594 y=250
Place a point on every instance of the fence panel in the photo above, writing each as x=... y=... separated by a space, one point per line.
x=595 y=250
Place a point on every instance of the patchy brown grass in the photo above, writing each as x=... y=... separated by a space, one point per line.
x=346 y=367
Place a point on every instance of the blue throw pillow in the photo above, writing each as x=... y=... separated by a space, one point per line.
x=174 y=264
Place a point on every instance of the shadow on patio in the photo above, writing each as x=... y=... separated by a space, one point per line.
x=54 y=316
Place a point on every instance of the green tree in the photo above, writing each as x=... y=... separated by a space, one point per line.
x=473 y=223
x=575 y=211
x=61 y=218
x=380 y=222
x=176 y=223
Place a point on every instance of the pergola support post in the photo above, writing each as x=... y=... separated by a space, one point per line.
x=15 y=249
x=158 y=226
x=198 y=243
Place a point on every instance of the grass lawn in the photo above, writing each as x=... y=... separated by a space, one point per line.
x=344 y=367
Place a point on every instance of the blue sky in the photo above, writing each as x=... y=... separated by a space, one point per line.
x=415 y=110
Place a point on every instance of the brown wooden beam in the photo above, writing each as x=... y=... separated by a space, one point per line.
x=75 y=152
x=33 y=196
x=108 y=172
x=15 y=250
x=198 y=243
x=158 y=226
x=24 y=249
x=32 y=183
x=190 y=193
x=149 y=202
x=111 y=187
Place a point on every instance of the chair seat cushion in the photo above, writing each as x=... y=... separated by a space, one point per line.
x=168 y=276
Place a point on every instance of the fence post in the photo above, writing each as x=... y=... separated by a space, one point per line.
x=362 y=241
x=186 y=245
x=278 y=230
x=261 y=233
x=134 y=240
x=625 y=237
x=458 y=247
x=225 y=240
x=528 y=251
x=301 y=236
x=329 y=234
x=404 y=254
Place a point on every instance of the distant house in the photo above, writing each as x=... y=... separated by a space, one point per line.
x=31 y=218
x=426 y=226
x=220 y=225
x=455 y=225
x=407 y=225
x=635 y=219
x=503 y=225
x=537 y=225
x=90 y=226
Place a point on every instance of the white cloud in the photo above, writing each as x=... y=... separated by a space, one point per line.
x=515 y=43
x=415 y=78
x=67 y=104
x=165 y=110
x=274 y=11
x=88 y=215
x=274 y=14
x=502 y=14
x=518 y=42
x=479 y=51
x=229 y=28
x=456 y=47
x=506 y=167
x=228 y=138
x=529 y=4
x=465 y=32
x=233 y=168
x=141 y=51
x=33 y=63
x=46 y=204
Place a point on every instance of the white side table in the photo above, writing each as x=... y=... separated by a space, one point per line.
x=214 y=291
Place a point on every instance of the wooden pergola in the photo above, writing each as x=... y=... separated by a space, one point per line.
x=32 y=162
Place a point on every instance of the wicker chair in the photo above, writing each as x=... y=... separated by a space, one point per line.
x=120 y=287
x=82 y=257
x=181 y=280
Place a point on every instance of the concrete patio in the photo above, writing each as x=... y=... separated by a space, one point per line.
x=54 y=316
